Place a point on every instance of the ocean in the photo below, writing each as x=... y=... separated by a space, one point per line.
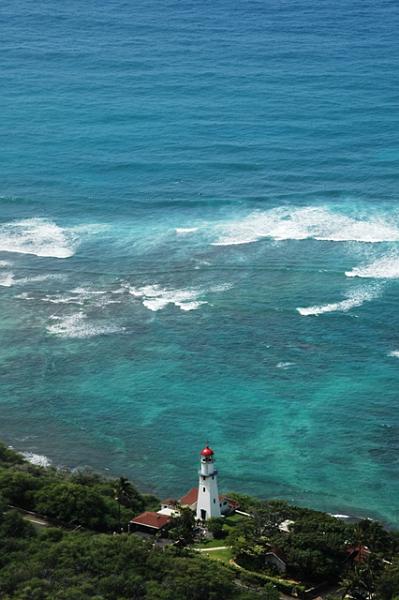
x=199 y=241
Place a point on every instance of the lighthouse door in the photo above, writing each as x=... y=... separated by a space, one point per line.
x=203 y=514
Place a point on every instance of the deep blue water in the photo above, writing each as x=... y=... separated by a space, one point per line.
x=199 y=239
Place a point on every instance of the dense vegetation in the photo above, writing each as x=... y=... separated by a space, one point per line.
x=363 y=557
x=81 y=557
x=75 y=564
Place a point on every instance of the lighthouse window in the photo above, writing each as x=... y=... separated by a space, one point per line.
x=214 y=501
x=203 y=489
x=213 y=477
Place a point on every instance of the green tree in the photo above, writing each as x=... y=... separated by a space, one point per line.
x=387 y=586
x=18 y=487
x=360 y=580
x=9 y=456
x=72 y=504
x=373 y=535
x=124 y=494
x=215 y=527
x=182 y=528
x=13 y=525
x=269 y=592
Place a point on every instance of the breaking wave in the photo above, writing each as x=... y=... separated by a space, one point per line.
x=36 y=459
x=156 y=298
x=82 y=296
x=353 y=300
x=7 y=279
x=185 y=230
x=394 y=353
x=78 y=326
x=386 y=267
x=37 y=236
x=305 y=223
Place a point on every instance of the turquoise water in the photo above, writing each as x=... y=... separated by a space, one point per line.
x=199 y=239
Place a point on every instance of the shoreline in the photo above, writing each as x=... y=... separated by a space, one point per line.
x=44 y=461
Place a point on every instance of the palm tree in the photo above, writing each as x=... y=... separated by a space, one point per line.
x=124 y=492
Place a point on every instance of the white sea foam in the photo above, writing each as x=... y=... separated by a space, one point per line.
x=39 y=278
x=319 y=223
x=386 y=267
x=7 y=279
x=185 y=230
x=36 y=459
x=354 y=299
x=24 y=296
x=37 y=236
x=62 y=299
x=81 y=296
x=284 y=365
x=156 y=298
x=222 y=287
x=187 y=306
x=4 y=264
x=79 y=326
x=394 y=354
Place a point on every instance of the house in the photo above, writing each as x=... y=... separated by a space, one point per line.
x=150 y=522
x=271 y=559
x=358 y=554
x=189 y=500
x=228 y=505
x=169 y=508
x=285 y=525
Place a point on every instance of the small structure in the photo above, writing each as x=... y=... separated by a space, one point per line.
x=227 y=505
x=358 y=554
x=275 y=561
x=208 y=504
x=150 y=522
x=285 y=525
x=169 y=508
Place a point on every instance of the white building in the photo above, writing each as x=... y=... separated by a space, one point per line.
x=208 y=503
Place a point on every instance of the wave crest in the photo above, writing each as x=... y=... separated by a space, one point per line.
x=319 y=223
x=37 y=236
x=78 y=326
x=156 y=298
x=353 y=300
x=386 y=267
x=36 y=459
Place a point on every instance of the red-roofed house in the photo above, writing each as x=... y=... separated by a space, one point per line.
x=358 y=554
x=227 y=505
x=190 y=499
x=150 y=522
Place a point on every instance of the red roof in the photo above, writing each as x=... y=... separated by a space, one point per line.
x=207 y=452
x=358 y=553
x=233 y=503
x=190 y=498
x=151 y=519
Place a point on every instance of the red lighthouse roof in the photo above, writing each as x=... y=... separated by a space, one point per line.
x=207 y=452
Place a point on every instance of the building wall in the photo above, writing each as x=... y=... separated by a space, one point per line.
x=208 y=497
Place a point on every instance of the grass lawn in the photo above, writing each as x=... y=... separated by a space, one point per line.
x=210 y=544
x=221 y=555
x=234 y=519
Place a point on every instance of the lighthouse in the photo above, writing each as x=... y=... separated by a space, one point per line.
x=208 y=504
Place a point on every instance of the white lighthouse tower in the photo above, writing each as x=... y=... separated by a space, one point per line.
x=208 y=504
